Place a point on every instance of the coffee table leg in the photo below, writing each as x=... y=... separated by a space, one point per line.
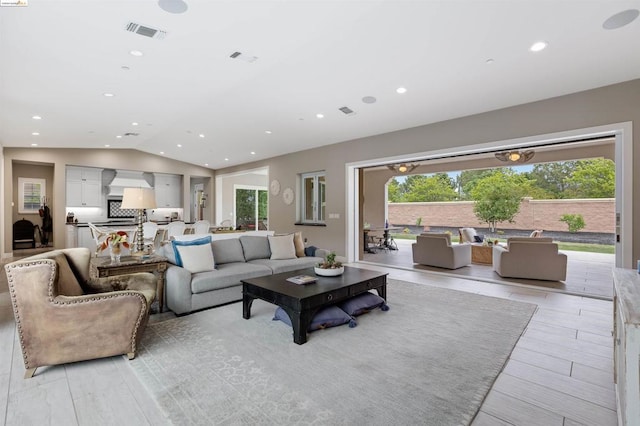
x=300 y=323
x=382 y=291
x=246 y=306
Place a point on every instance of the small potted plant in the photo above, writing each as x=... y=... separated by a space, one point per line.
x=330 y=267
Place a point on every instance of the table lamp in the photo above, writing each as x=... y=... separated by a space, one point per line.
x=140 y=199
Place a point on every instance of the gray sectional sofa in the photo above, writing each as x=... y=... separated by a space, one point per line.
x=235 y=259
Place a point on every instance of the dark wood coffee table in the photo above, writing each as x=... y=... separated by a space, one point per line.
x=301 y=302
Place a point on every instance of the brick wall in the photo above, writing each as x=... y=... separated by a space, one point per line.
x=599 y=214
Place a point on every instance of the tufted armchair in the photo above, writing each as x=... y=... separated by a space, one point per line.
x=64 y=316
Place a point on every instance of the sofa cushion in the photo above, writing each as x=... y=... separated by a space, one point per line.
x=227 y=251
x=298 y=242
x=330 y=316
x=282 y=247
x=175 y=244
x=196 y=257
x=227 y=275
x=363 y=303
x=255 y=247
x=286 y=265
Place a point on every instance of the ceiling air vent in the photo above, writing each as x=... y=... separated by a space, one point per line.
x=146 y=31
x=131 y=134
x=244 y=57
x=347 y=110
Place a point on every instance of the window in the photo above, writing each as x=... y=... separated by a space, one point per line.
x=31 y=194
x=313 y=197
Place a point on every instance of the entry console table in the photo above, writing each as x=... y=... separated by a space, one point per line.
x=102 y=267
x=626 y=345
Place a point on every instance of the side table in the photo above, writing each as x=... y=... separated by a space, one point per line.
x=102 y=267
x=481 y=254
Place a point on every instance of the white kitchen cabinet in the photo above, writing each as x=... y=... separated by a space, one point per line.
x=84 y=187
x=72 y=236
x=168 y=189
x=85 y=239
x=626 y=345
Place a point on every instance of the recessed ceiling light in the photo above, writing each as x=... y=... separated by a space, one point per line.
x=401 y=90
x=119 y=136
x=268 y=132
x=621 y=19
x=173 y=6
x=34 y=144
x=37 y=117
x=538 y=46
x=136 y=53
x=320 y=115
x=35 y=134
x=107 y=146
x=201 y=135
x=161 y=152
x=226 y=159
x=108 y=95
x=179 y=145
x=369 y=100
x=206 y=164
x=134 y=124
x=253 y=153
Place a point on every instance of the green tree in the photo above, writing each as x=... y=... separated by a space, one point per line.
x=394 y=191
x=438 y=187
x=593 y=178
x=551 y=178
x=468 y=179
x=498 y=196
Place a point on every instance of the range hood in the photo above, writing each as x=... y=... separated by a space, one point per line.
x=126 y=179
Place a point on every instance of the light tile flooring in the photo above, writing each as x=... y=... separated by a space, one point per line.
x=560 y=372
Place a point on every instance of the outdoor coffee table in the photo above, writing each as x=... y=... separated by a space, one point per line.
x=302 y=301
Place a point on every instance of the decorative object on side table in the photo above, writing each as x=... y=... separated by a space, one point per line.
x=115 y=241
x=140 y=199
x=330 y=267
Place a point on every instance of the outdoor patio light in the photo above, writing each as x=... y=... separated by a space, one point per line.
x=515 y=156
x=402 y=168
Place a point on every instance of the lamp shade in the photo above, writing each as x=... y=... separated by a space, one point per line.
x=138 y=198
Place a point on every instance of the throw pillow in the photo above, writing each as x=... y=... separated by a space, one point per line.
x=282 y=247
x=330 y=316
x=298 y=242
x=363 y=303
x=195 y=255
x=467 y=234
x=196 y=258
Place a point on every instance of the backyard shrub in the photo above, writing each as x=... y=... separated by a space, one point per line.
x=574 y=221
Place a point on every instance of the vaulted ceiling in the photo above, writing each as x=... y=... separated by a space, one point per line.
x=192 y=101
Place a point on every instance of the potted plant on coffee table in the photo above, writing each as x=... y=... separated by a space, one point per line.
x=330 y=267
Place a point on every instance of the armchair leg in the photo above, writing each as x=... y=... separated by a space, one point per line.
x=131 y=355
x=30 y=372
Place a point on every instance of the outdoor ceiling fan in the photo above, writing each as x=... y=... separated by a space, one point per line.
x=515 y=156
x=402 y=168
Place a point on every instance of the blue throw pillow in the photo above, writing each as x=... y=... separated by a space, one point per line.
x=310 y=251
x=197 y=242
x=324 y=318
x=363 y=303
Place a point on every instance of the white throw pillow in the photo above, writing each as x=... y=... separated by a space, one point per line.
x=196 y=258
x=468 y=234
x=282 y=247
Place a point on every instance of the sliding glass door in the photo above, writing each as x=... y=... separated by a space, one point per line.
x=251 y=207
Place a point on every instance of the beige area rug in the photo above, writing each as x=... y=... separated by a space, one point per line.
x=430 y=359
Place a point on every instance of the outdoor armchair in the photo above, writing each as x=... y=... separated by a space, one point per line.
x=437 y=250
x=535 y=258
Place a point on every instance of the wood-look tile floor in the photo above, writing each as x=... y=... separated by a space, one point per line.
x=560 y=372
